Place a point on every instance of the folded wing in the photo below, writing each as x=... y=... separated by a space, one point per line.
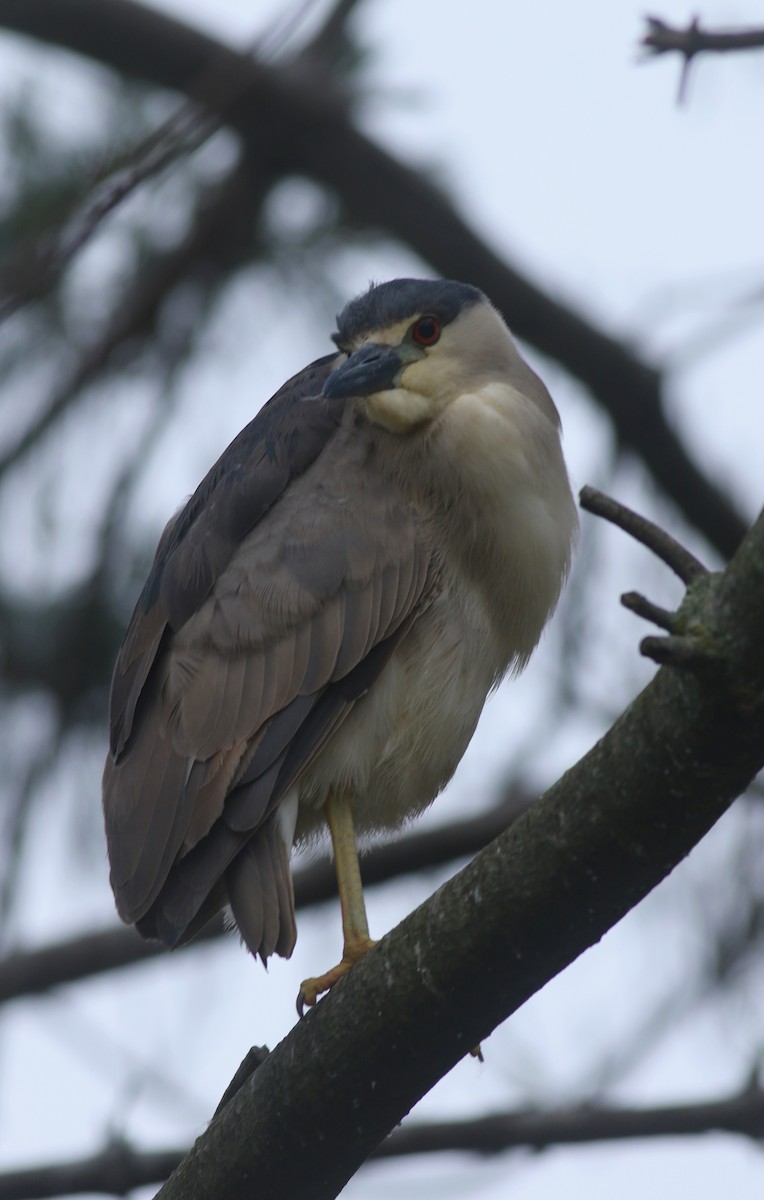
x=275 y=600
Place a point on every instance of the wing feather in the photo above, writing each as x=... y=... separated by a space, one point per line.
x=220 y=715
x=198 y=543
x=357 y=629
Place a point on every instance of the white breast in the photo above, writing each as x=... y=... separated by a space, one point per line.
x=503 y=532
x=515 y=523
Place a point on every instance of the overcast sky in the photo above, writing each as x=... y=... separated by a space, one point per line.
x=575 y=162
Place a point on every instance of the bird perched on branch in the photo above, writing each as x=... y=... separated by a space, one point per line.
x=324 y=619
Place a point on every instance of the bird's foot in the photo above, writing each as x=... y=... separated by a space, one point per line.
x=311 y=989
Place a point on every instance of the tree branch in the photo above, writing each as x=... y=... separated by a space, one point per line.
x=33 y=265
x=295 y=129
x=224 y=218
x=35 y=972
x=647 y=533
x=662 y=38
x=119 y=1169
x=581 y=857
x=741 y=1113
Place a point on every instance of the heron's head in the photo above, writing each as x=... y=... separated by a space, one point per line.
x=413 y=346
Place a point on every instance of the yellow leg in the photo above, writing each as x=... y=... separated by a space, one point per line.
x=355 y=928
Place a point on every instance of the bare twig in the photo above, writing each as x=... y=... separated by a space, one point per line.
x=207 y=251
x=686 y=646
x=667 y=548
x=34 y=266
x=662 y=38
x=677 y=650
x=639 y=604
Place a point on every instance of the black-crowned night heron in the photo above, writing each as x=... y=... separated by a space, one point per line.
x=324 y=619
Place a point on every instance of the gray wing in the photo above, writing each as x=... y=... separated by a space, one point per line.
x=237 y=666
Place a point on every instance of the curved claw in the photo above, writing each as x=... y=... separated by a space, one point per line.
x=311 y=989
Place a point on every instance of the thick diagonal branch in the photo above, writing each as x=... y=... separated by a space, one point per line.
x=612 y=828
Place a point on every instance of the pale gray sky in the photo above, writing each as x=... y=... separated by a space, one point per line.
x=577 y=164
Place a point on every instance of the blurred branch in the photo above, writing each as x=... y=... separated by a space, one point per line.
x=34 y=265
x=59 y=645
x=222 y=228
x=33 y=972
x=15 y=820
x=662 y=38
x=324 y=44
x=119 y=1169
x=294 y=128
x=741 y=1113
x=116 y=1171
x=329 y=49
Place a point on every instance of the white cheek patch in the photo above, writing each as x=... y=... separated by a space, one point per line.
x=400 y=410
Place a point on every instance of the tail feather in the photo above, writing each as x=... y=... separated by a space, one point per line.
x=259 y=885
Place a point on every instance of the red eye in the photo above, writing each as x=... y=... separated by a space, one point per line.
x=426 y=331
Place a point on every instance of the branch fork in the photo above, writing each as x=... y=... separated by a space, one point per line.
x=686 y=645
